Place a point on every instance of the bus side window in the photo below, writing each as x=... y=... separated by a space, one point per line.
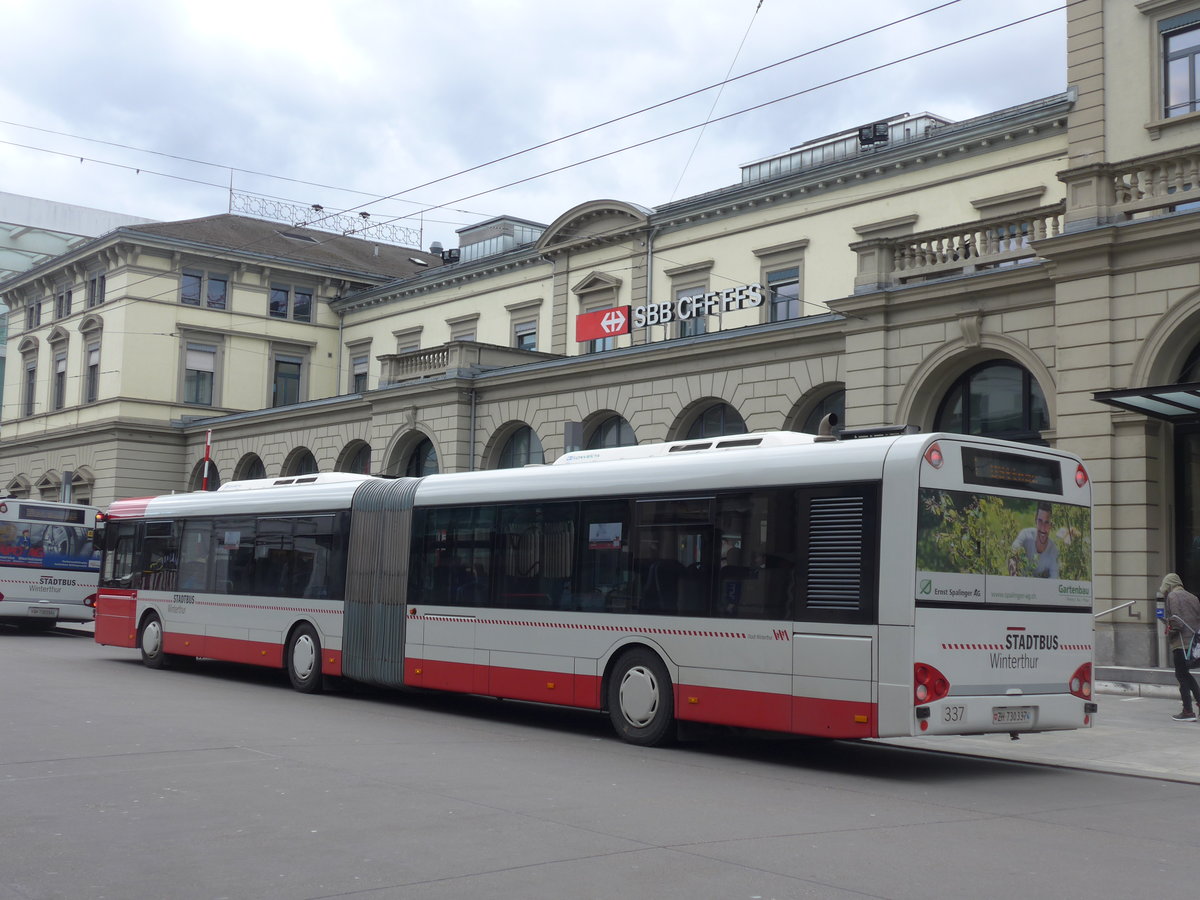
x=603 y=579
x=122 y=538
x=159 y=566
x=195 y=549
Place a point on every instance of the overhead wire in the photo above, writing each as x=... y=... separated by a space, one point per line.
x=661 y=137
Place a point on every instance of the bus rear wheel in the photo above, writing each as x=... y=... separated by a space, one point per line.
x=150 y=641
x=304 y=659
x=641 y=701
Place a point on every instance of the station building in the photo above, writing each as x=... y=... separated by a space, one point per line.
x=1032 y=274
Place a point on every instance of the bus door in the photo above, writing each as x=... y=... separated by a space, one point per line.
x=373 y=635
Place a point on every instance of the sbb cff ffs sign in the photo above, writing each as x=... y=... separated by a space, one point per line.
x=604 y=323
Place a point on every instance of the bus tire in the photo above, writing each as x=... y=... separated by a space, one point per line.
x=303 y=659
x=150 y=642
x=641 y=699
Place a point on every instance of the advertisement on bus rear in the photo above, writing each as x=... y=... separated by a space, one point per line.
x=984 y=549
x=40 y=546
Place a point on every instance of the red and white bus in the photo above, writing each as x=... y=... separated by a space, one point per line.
x=867 y=586
x=49 y=563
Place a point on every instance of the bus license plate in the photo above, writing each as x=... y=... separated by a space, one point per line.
x=1012 y=715
x=50 y=612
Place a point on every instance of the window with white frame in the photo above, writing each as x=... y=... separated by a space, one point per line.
x=599 y=345
x=1181 y=64
x=96 y=286
x=202 y=288
x=59 y=389
x=525 y=334
x=359 y=370
x=781 y=273
x=29 y=385
x=783 y=293
x=91 y=372
x=408 y=340
x=464 y=329
x=62 y=302
x=289 y=301
x=33 y=315
x=200 y=372
x=287 y=378
x=689 y=281
x=694 y=324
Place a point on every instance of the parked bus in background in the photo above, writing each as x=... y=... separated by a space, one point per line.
x=848 y=587
x=49 y=563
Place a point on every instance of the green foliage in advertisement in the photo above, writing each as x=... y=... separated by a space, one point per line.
x=970 y=533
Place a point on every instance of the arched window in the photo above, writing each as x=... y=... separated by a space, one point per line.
x=422 y=461
x=1187 y=485
x=357 y=460
x=197 y=481
x=612 y=432
x=833 y=403
x=300 y=462
x=249 y=468
x=996 y=399
x=718 y=420
x=522 y=449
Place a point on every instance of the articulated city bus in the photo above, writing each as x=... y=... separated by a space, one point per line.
x=864 y=586
x=49 y=563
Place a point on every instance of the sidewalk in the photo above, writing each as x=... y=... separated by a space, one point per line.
x=1133 y=734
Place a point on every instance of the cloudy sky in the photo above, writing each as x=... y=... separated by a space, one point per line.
x=155 y=108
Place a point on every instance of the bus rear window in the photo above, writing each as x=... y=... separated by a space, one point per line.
x=992 y=468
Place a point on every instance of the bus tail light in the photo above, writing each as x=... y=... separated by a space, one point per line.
x=928 y=684
x=1080 y=684
x=90 y=600
x=1081 y=476
x=934 y=457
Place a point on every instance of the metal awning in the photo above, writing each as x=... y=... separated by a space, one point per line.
x=1179 y=403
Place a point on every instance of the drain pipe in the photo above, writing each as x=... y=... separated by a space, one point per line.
x=650 y=273
x=471 y=443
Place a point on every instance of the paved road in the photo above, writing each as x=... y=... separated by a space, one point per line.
x=119 y=782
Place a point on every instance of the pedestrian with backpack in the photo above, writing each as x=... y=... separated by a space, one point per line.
x=1182 y=613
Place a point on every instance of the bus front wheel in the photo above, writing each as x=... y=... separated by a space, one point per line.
x=304 y=659
x=150 y=640
x=641 y=701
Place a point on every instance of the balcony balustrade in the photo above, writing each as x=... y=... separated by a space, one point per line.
x=965 y=249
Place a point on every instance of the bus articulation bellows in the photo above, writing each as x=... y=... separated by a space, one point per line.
x=889 y=585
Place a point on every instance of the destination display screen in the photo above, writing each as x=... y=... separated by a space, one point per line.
x=992 y=468
x=65 y=514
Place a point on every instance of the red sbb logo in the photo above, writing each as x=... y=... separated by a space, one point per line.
x=603 y=323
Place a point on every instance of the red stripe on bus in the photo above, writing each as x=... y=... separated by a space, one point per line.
x=720 y=706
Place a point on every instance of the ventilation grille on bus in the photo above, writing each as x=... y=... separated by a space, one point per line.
x=835 y=553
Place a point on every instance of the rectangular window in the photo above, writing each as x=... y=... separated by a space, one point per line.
x=96 y=286
x=358 y=374
x=452 y=556
x=783 y=286
x=60 y=379
x=199 y=373
x=694 y=324
x=525 y=335
x=285 y=388
x=91 y=377
x=30 y=386
x=463 y=331
x=190 y=286
x=200 y=288
x=62 y=303
x=289 y=302
x=33 y=315
x=1181 y=62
